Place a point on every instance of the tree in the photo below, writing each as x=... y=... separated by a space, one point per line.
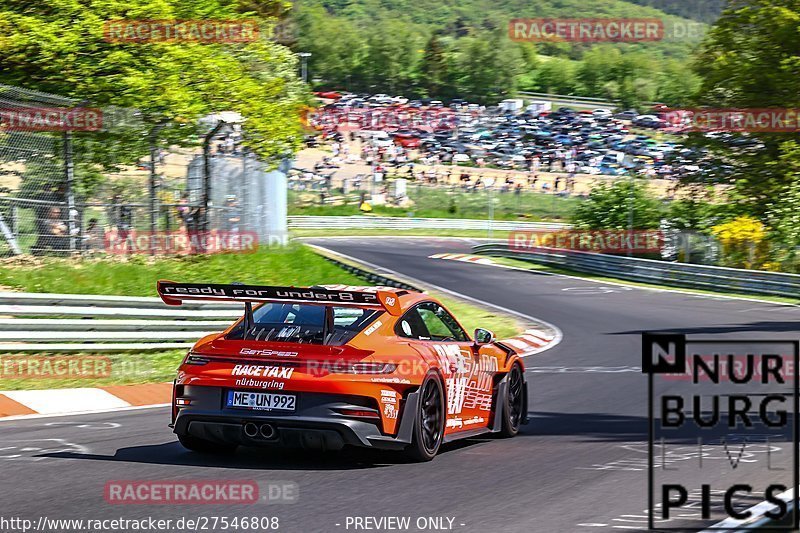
x=392 y=57
x=750 y=59
x=486 y=67
x=557 y=76
x=434 y=67
x=609 y=207
x=63 y=51
x=337 y=46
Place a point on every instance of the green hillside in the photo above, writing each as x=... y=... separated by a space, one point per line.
x=447 y=48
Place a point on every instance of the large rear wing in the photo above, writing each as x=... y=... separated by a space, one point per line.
x=378 y=297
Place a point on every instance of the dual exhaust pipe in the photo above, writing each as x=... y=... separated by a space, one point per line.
x=264 y=431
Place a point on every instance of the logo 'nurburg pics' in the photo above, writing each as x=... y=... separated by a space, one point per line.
x=723 y=432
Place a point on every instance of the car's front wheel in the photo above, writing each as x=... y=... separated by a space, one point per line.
x=205 y=446
x=429 y=421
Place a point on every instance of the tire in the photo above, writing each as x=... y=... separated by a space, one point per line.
x=205 y=446
x=428 y=421
x=513 y=402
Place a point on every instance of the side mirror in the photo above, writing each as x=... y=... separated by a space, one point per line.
x=483 y=336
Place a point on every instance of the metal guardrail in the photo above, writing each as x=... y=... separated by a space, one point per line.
x=90 y=311
x=660 y=272
x=375 y=222
x=97 y=300
x=82 y=324
x=106 y=323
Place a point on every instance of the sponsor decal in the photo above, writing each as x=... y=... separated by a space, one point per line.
x=276 y=353
x=370 y=330
x=474 y=420
x=388 y=396
x=455 y=423
x=271 y=384
x=262 y=371
x=359 y=297
x=468 y=383
x=390 y=411
x=401 y=381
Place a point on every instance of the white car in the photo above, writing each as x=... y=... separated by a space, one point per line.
x=401 y=100
x=601 y=113
x=460 y=158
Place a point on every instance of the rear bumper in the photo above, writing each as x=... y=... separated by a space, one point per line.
x=314 y=425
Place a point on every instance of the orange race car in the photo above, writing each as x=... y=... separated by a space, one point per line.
x=328 y=366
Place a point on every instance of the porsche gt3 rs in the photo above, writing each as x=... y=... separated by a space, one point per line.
x=325 y=367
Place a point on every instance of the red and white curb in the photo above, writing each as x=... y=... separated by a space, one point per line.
x=53 y=402
x=530 y=342
x=467 y=258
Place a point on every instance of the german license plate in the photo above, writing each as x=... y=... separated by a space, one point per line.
x=261 y=401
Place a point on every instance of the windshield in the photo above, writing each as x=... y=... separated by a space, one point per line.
x=302 y=323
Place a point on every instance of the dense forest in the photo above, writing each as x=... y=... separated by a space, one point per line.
x=444 y=49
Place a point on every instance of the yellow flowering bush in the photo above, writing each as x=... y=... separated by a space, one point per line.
x=743 y=242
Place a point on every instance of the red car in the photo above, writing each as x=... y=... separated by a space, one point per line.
x=328 y=95
x=406 y=140
x=330 y=366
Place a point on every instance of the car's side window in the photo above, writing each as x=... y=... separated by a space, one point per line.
x=412 y=326
x=430 y=321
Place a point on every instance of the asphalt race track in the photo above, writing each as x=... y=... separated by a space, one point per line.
x=578 y=466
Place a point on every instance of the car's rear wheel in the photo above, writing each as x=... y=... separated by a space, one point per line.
x=195 y=444
x=514 y=402
x=429 y=421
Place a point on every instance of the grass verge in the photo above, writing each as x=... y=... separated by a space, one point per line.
x=451 y=203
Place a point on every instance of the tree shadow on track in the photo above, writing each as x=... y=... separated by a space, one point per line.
x=172 y=453
x=789 y=326
x=602 y=427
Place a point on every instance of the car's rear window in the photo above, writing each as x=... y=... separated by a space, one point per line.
x=283 y=322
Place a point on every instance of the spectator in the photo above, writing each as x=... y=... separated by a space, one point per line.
x=56 y=237
x=94 y=236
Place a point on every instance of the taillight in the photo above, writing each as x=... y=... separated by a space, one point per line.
x=358 y=413
x=198 y=360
